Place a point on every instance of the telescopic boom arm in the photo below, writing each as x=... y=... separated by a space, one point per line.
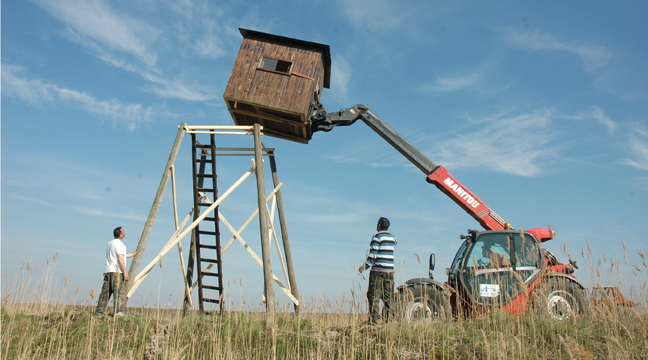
x=436 y=174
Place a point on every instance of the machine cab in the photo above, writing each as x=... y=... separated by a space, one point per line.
x=491 y=267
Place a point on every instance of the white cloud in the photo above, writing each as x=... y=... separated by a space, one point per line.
x=451 y=84
x=209 y=44
x=95 y=23
x=30 y=199
x=36 y=92
x=376 y=15
x=593 y=56
x=76 y=186
x=106 y=214
x=133 y=45
x=517 y=145
x=161 y=86
x=603 y=119
x=638 y=146
x=340 y=76
x=178 y=89
x=510 y=144
x=595 y=114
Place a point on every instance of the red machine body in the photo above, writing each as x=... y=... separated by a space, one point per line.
x=466 y=199
x=474 y=206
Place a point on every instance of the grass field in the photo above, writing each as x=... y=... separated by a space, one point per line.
x=37 y=325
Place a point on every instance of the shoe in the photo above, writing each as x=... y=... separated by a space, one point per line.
x=120 y=314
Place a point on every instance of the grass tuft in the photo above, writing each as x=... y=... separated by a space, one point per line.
x=35 y=325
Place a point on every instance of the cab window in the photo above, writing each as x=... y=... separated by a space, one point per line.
x=491 y=251
x=454 y=268
x=527 y=252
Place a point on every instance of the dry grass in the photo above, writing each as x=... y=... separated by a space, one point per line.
x=37 y=326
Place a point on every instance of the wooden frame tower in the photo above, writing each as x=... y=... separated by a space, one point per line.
x=208 y=197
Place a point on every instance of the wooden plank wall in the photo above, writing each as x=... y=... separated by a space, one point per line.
x=282 y=92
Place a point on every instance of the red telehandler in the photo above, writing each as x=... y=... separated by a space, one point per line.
x=499 y=267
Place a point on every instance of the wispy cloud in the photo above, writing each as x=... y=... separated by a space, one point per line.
x=80 y=210
x=369 y=153
x=107 y=214
x=340 y=76
x=593 y=56
x=133 y=45
x=522 y=144
x=450 y=84
x=512 y=144
x=209 y=44
x=167 y=88
x=595 y=114
x=29 y=199
x=95 y=23
x=638 y=147
x=36 y=92
x=375 y=15
x=79 y=187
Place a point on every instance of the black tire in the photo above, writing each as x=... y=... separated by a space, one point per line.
x=560 y=299
x=420 y=302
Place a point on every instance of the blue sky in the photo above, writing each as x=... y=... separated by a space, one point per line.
x=538 y=108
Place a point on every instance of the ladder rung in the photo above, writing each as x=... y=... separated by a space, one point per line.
x=206 y=190
x=211 y=287
x=211 y=300
x=206 y=161
x=201 y=146
x=213 y=261
x=205 y=175
x=209 y=218
x=203 y=232
x=214 y=247
x=205 y=204
x=205 y=273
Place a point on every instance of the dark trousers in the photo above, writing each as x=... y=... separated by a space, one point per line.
x=113 y=283
x=381 y=286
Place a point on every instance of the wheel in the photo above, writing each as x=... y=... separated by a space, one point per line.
x=422 y=302
x=561 y=299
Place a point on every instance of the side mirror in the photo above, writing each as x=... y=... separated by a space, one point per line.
x=432 y=262
x=448 y=271
x=473 y=235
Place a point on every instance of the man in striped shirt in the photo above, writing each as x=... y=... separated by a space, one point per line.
x=381 y=276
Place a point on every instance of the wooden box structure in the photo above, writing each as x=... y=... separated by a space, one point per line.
x=275 y=82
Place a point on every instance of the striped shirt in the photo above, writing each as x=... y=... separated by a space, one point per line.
x=381 y=252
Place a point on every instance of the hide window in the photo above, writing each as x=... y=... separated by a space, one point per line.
x=275 y=65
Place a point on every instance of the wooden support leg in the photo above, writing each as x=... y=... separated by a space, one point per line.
x=263 y=222
x=141 y=246
x=284 y=232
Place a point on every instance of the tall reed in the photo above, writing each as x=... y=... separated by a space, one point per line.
x=39 y=321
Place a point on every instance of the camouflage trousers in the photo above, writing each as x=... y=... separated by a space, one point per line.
x=381 y=286
x=113 y=284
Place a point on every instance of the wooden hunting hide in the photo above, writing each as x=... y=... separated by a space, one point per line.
x=275 y=82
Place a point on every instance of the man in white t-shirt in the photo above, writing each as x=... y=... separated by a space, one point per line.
x=115 y=275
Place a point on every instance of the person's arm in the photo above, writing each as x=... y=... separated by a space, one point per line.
x=371 y=259
x=131 y=255
x=122 y=266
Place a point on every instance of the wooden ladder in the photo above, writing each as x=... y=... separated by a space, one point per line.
x=207 y=234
